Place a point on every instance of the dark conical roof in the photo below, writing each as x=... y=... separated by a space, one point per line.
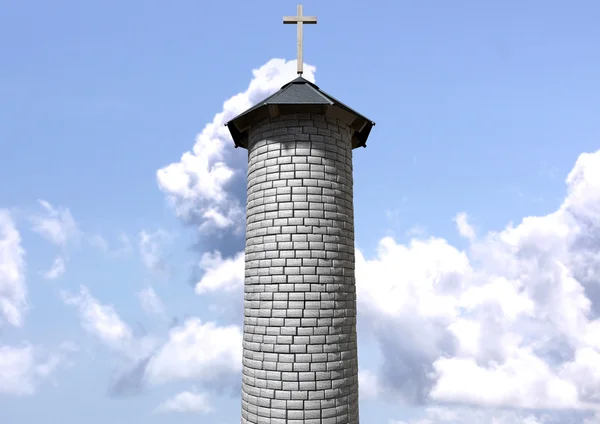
x=299 y=96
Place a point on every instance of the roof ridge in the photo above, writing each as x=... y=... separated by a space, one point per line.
x=300 y=80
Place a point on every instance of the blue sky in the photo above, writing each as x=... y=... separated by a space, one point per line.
x=486 y=115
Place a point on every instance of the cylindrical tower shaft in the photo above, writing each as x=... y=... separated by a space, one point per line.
x=300 y=360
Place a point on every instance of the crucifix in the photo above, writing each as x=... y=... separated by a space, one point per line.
x=299 y=20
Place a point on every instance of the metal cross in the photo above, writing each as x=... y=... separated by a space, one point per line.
x=299 y=20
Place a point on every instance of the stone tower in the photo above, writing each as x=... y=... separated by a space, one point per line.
x=300 y=362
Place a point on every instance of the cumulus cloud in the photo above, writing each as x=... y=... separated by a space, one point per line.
x=13 y=291
x=151 y=246
x=220 y=274
x=56 y=270
x=509 y=322
x=187 y=402
x=104 y=323
x=447 y=415
x=18 y=370
x=198 y=351
x=23 y=367
x=150 y=302
x=522 y=380
x=56 y=225
x=198 y=186
x=464 y=228
x=368 y=385
x=204 y=352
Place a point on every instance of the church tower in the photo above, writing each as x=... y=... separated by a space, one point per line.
x=300 y=362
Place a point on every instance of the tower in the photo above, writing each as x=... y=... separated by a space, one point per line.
x=300 y=362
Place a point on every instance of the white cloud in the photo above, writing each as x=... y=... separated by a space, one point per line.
x=204 y=352
x=13 y=291
x=196 y=185
x=464 y=228
x=445 y=415
x=151 y=250
x=510 y=322
x=187 y=402
x=221 y=274
x=150 y=302
x=56 y=270
x=368 y=385
x=522 y=380
x=56 y=224
x=23 y=367
x=103 y=322
x=100 y=320
x=197 y=351
x=585 y=370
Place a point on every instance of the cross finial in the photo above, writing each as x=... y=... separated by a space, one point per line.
x=299 y=20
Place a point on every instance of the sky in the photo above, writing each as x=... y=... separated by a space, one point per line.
x=477 y=205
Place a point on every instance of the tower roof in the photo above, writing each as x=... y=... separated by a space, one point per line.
x=299 y=96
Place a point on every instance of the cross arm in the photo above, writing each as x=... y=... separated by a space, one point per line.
x=298 y=19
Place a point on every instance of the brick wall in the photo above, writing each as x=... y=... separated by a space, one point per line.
x=300 y=354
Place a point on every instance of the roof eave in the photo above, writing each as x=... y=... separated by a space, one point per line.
x=239 y=126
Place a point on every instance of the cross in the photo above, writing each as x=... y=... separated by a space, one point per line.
x=300 y=20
